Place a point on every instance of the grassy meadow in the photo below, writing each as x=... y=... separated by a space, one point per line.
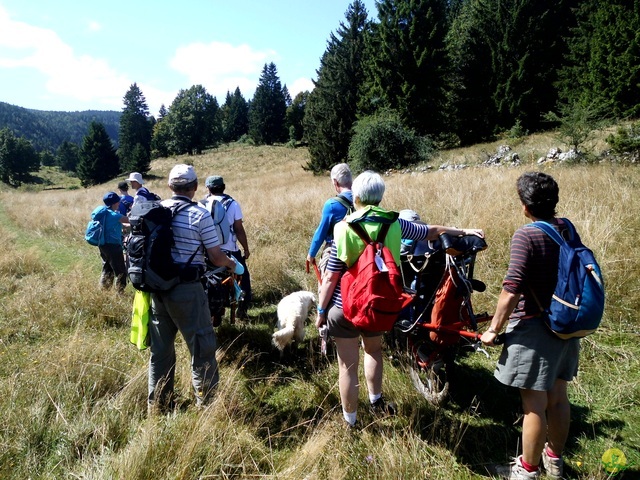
x=73 y=389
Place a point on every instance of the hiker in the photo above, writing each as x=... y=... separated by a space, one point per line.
x=185 y=308
x=368 y=189
x=126 y=200
x=142 y=193
x=334 y=210
x=533 y=358
x=111 y=249
x=215 y=185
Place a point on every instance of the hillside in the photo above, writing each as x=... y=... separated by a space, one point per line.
x=73 y=389
x=46 y=130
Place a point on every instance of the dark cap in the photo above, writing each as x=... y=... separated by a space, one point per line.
x=110 y=198
x=214 y=181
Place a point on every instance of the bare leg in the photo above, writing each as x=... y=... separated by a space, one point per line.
x=373 y=363
x=534 y=426
x=348 y=358
x=558 y=416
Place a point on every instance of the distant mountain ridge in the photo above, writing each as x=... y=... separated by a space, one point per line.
x=46 y=130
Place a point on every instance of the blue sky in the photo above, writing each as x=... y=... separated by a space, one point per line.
x=69 y=55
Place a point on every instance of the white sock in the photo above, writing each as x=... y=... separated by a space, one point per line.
x=373 y=398
x=350 y=417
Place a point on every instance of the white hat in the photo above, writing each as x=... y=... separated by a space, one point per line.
x=182 y=174
x=135 y=177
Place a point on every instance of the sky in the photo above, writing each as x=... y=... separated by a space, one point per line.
x=75 y=55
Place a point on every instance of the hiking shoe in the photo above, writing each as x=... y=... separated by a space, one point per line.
x=382 y=407
x=514 y=471
x=553 y=466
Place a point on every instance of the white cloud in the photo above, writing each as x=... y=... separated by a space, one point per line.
x=79 y=77
x=221 y=67
x=94 y=26
x=300 y=85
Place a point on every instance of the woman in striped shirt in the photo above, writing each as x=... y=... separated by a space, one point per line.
x=368 y=189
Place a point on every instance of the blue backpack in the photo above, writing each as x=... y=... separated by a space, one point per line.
x=577 y=304
x=94 y=233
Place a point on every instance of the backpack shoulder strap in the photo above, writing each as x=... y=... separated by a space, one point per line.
x=344 y=201
x=550 y=231
x=364 y=236
x=226 y=200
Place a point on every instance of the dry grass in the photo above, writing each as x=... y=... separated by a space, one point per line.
x=73 y=390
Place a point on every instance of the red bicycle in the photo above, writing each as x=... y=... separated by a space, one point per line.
x=440 y=321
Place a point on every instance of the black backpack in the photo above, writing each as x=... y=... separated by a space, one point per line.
x=151 y=266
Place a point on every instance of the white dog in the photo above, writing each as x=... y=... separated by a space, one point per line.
x=293 y=311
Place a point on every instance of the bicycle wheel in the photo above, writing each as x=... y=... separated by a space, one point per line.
x=428 y=372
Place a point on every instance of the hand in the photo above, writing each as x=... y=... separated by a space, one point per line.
x=473 y=231
x=321 y=319
x=311 y=259
x=246 y=253
x=488 y=337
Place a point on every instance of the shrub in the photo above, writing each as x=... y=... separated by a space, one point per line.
x=382 y=141
x=626 y=141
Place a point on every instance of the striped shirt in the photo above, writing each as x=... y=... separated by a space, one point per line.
x=193 y=231
x=533 y=267
x=411 y=231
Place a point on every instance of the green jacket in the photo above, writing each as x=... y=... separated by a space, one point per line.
x=349 y=245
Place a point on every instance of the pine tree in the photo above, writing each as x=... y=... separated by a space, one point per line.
x=235 y=116
x=135 y=133
x=407 y=62
x=98 y=158
x=602 y=71
x=18 y=158
x=331 y=108
x=268 y=108
x=67 y=156
x=505 y=56
x=295 y=116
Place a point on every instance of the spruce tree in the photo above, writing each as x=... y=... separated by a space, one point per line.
x=18 y=158
x=602 y=70
x=135 y=133
x=98 y=158
x=407 y=64
x=235 y=116
x=67 y=156
x=268 y=108
x=331 y=108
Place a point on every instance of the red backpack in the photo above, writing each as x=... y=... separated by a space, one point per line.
x=372 y=292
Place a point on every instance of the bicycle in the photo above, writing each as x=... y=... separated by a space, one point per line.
x=430 y=332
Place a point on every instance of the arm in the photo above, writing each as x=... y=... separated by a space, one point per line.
x=241 y=235
x=322 y=231
x=329 y=282
x=506 y=303
x=220 y=259
x=436 y=230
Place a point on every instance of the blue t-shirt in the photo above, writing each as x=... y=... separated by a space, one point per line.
x=110 y=223
x=125 y=204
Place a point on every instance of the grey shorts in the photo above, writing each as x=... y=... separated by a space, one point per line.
x=533 y=357
x=340 y=327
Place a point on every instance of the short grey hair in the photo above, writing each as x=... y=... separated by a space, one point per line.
x=341 y=173
x=368 y=187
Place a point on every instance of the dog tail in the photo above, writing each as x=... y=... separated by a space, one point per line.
x=283 y=337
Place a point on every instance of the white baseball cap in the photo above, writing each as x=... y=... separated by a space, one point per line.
x=135 y=177
x=182 y=174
